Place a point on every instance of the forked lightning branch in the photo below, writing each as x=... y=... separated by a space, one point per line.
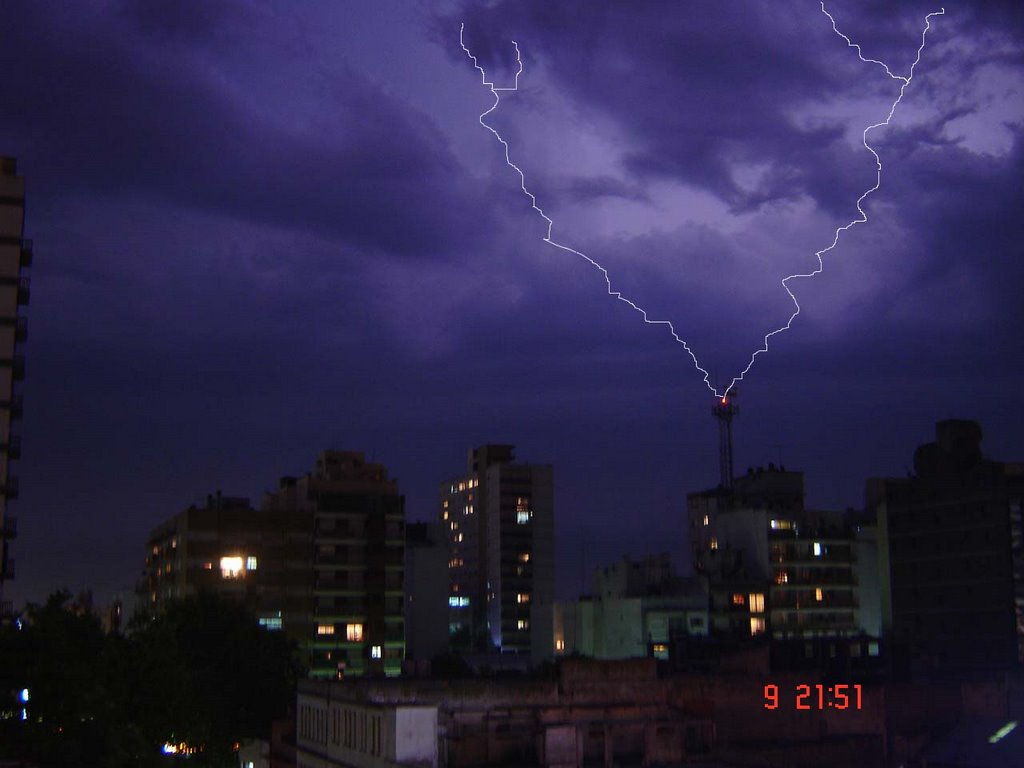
x=862 y=218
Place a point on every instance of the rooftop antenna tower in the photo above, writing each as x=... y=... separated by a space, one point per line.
x=723 y=410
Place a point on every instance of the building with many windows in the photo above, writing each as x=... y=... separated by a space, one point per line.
x=499 y=519
x=15 y=258
x=357 y=521
x=778 y=569
x=259 y=557
x=321 y=559
x=951 y=552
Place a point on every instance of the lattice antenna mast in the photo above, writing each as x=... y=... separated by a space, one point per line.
x=723 y=410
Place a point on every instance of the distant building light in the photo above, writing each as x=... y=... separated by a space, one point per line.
x=818 y=594
x=271 y=622
x=559 y=644
x=817 y=549
x=707 y=520
x=522 y=597
x=522 y=624
x=757 y=602
x=756 y=625
x=354 y=633
x=250 y=563
x=522 y=517
x=375 y=652
x=782 y=577
x=782 y=525
x=738 y=599
x=325 y=629
x=714 y=543
x=23 y=695
x=524 y=557
x=458 y=601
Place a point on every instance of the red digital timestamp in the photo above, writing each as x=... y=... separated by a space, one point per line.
x=817 y=696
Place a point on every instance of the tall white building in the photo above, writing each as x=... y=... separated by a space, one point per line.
x=500 y=523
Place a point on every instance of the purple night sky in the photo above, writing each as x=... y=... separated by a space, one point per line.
x=264 y=229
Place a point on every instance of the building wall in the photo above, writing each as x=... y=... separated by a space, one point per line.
x=322 y=559
x=499 y=519
x=951 y=543
x=426 y=591
x=15 y=258
x=332 y=732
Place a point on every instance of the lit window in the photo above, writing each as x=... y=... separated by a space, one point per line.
x=462 y=487
x=559 y=645
x=756 y=625
x=174 y=543
x=271 y=622
x=757 y=602
x=469 y=510
x=250 y=563
x=817 y=549
x=444 y=504
x=446 y=514
x=522 y=597
x=230 y=567
x=660 y=650
x=524 y=557
x=738 y=599
x=325 y=629
x=459 y=538
x=208 y=566
x=458 y=601
x=714 y=543
x=523 y=511
x=354 y=633
x=375 y=651
x=523 y=624
x=782 y=525
x=707 y=520
x=818 y=594
x=781 y=577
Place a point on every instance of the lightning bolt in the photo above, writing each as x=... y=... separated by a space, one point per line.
x=495 y=91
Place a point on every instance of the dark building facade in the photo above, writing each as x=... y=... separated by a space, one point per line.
x=499 y=519
x=358 y=538
x=321 y=559
x=15 y=258
x=951 y=556
x=259 y=557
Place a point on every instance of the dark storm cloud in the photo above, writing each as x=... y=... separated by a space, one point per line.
x=673 y=80
x=122 y=115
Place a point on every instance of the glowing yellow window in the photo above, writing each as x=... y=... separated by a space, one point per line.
x=818 y=594
x=757 y=602
x=325 y=629
x=522 y=597
x=354 y=633
x=738 y=599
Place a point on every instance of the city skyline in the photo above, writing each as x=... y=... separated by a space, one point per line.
x=262 y=233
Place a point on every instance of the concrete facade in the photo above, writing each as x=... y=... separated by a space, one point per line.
x=951 y=541
x=15 y=259
x=499 y=520
x=426 y=591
